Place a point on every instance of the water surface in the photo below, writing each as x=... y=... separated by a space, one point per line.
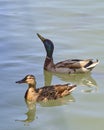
x=76 y=28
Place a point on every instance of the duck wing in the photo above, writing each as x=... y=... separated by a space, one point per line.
x=54 y=91
x=77 y=64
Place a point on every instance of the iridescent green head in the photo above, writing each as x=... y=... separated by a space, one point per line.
x=48 y=45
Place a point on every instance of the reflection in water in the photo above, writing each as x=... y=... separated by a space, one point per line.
x=84 y=79
x=31 y=114
x=58 y=102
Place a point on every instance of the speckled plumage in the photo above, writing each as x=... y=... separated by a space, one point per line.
x=46 y=92
x=69 y=66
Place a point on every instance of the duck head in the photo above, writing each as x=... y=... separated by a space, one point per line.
x=29 y=79
x=48 y=45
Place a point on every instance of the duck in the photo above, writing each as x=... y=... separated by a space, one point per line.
x=69 y=66
x=45 y=93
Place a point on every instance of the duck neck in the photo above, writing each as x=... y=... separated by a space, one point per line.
x=31 y=93
x=32 y=86
x=48 y=63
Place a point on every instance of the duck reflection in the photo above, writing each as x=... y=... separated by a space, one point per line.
x=31 y=113
x=59 y=102
x=83 y=79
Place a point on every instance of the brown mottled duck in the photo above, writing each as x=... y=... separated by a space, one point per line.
x=45 y=93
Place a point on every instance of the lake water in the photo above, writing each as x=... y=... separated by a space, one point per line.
x=77 y=29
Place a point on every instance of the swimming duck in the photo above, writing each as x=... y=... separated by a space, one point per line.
x=69 y=66
x=45 y=93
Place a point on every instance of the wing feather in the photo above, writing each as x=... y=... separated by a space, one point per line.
x=73 y=63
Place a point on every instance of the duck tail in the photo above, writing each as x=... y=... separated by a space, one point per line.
x=92 y=64
x=71 y=87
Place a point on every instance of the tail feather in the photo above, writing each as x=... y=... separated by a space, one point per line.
x=68 y=90
x=71 y=88
x=91 y=64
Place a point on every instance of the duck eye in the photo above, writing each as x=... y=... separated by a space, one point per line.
x=29 y=77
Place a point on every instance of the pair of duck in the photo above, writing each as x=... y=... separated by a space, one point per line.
x=69 y=66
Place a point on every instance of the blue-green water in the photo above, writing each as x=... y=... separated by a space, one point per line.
x=76 y=28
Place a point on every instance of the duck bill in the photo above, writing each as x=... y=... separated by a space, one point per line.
x=41 y=38
x=21 y=81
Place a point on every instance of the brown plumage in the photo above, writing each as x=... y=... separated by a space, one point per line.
x=46 y=92
x=68 y=66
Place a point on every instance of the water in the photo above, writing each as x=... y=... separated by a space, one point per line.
x=76 y=28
